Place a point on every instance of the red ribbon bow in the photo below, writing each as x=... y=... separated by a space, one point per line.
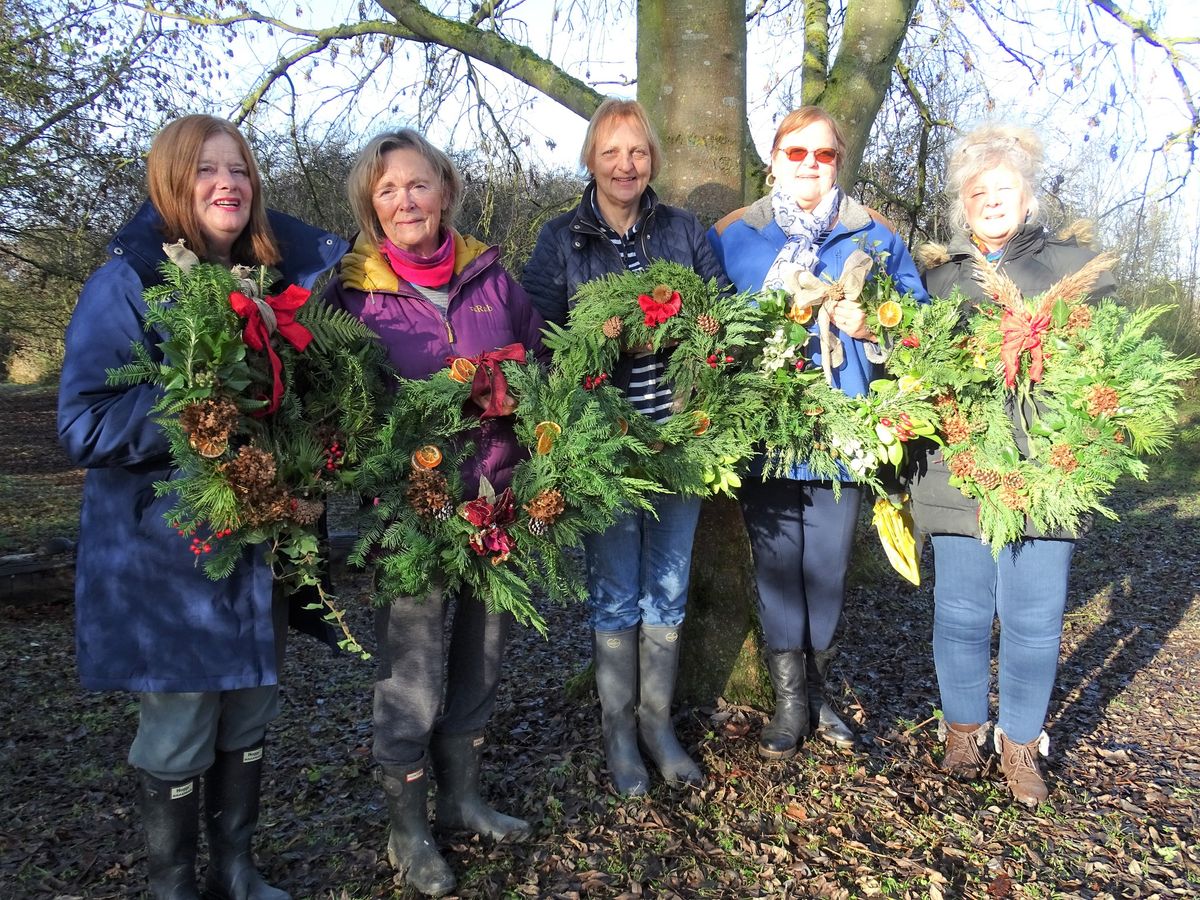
x=489 y=388
x=1022 y=330
x=257 y=335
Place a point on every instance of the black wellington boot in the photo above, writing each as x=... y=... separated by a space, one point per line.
x=657 y=666
x=457 y=759
x=789 y=724
x=231 y=792
x=171 y=817
x=826 y=723
x=616 y=656
x=411 y=849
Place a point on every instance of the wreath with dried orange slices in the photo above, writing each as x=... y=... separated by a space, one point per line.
x=709 y=333
x=428 y=524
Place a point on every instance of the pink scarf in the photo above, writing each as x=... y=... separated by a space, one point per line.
x=426 y=271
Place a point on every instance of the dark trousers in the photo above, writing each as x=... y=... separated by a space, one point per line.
x=428 y=680
x=801 y=538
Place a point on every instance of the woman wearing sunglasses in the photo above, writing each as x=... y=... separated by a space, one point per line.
x=801 y=534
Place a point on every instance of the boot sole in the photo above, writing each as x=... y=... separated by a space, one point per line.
x=767 y=753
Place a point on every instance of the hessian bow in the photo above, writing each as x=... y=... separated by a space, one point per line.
x=808 y=290
x=263 y=317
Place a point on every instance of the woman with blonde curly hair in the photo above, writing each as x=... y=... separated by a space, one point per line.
x=992 y=181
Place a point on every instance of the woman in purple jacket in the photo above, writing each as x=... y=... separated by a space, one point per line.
x=431 y=293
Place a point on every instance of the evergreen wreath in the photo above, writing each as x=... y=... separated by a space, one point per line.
x=1089 y=390
x=812 y=422
x=425 y=527
x=719 y=404
x=267 y=402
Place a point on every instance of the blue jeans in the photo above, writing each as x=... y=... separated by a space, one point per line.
x=801 y=538
x=1027 y=589
x=638 y=569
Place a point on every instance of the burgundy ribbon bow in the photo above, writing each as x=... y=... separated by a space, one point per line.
x=257 y=333
x=1022 y=330
x=489 y=388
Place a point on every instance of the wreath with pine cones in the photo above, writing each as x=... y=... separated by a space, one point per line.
x=1044 y=402
x=719 y=404
x=430 y=525
x=267 y=401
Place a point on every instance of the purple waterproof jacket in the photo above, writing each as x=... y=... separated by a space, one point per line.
x=488 y=310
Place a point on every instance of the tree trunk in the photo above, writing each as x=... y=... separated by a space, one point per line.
x=692 y=82
x=860 y=75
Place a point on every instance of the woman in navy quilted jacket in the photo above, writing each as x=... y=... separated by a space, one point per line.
x=638 y=569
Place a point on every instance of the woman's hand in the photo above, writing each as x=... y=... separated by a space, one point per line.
x=850 y=319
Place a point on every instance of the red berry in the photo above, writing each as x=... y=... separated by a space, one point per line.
x=728 y=359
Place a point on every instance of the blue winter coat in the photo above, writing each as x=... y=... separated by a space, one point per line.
x=747 y=241
x=147 y=617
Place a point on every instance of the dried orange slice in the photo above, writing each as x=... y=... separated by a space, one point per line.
x=890 y=314
x=462 y=370
x=546 y=433
x=702 y=423
x=427 y=457
x=800 y=315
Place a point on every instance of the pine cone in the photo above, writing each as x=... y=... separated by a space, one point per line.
x=251 y=471
x=445 y=512
x=1102 y=400
x=1014 y=481
x=612 y=327
x=1080 y=318
x=1119 y=437
x=208 y=425
x=538 y=527
x=956 y=429
x=946 y=402
x=988 y=479
x=963 y=465
x=265 y=506
x=1013 y=499
x=306 y=512
x=1062 y=457
x=427 y=493
x=546 y=506
x=708 y=324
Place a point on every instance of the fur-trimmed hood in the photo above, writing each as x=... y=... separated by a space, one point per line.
x=1081 y=232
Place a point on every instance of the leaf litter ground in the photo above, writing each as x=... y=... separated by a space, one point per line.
x=1123 y=820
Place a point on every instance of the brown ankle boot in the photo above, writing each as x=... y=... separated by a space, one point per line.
x=963 y=742
x=1018 y=762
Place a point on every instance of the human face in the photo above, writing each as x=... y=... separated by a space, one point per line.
x=621 y=166
x=996 y=206
x=809 y=180
x=222 y=194
x=408 y=201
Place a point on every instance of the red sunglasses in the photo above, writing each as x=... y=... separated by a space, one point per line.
x=826 y=155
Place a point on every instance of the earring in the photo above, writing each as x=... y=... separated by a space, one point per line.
x=770 y=179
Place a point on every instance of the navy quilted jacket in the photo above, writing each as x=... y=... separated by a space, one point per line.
x=572 y=250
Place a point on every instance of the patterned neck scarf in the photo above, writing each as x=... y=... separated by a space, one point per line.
x=992 y=256
x=802 y=229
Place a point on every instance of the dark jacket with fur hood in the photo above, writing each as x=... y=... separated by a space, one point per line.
x=1034 y=259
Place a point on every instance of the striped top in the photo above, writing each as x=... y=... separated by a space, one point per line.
x=648 y=391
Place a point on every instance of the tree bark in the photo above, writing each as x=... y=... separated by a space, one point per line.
x=692 y=81
x=861 y=73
